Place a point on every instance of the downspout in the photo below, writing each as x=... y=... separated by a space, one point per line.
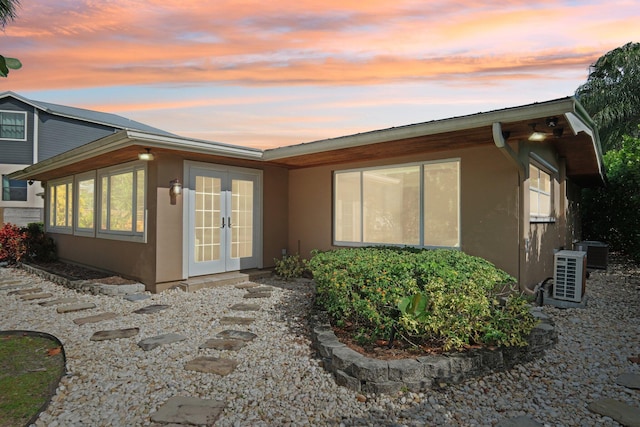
x=500 y=142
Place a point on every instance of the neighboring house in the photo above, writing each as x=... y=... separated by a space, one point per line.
x=32 y=131
x=503 y=185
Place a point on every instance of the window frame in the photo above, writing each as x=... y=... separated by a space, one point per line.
x=7 y=189
x=23 y=113
x=133 y=235
x=421 y=219
x=51 y=212
x=77 y=179
x=542 y=166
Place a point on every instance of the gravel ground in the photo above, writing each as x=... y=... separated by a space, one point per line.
x=279 y=382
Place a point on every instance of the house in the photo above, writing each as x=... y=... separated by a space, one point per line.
x=32 y=131
x=503 y=185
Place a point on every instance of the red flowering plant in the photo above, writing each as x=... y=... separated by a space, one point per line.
x=13 y=247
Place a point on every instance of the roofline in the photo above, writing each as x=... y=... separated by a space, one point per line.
x=126 y=138
x=39 y=106
x=513 y=114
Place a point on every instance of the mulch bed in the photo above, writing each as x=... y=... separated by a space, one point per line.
x=77 y=272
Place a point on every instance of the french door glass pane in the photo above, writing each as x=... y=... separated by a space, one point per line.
x=441 y=200
x=391 y=200
x=242 y=218
x=208 y=219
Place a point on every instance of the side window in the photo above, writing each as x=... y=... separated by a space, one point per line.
x=13 y=125
x=85 y=214
x=13 y=190
x=540 y=193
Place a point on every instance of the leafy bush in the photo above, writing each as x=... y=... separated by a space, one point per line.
x=610 y=213
x=441 y=296
x=290 y=266
x=12 y=243
x=19 y=244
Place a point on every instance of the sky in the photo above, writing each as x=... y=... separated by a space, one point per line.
x=270 y=73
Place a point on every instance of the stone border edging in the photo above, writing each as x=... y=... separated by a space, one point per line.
x=87 y=286
x=363 y=374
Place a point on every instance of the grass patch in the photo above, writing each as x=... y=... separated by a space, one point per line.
x=31 y=366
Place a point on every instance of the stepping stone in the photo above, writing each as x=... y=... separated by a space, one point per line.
x=25 y=291
x=153 y=342
x=76 y=307
x=237 y=335
x=247 y=285
x=257 y=295
x=58 y=302
x=8 y=286
x=626 y=415
x=224 y=344
x=94 y=319
x=150 y=309
x=211 y=365
x=245 y=307
x=137 y=297
x=188 y=410
x=260 y=289
x=30 y=297
x=629 y=380
x=521 y=421
x=236 y=320
x=114 y=334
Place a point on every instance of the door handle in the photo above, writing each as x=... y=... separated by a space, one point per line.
x=229 y=221
x=222 y=222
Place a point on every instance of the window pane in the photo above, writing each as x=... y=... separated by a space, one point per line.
x=242 y=218
x=61 y=205
x=121 y=202
x=140 y=197
x=441 y=204
x=391 y=201
x=69 y=219
x=347 y=207
x=533 y=177
x=545 y=205
x=104 y=203
x=52 y=206
x=12 y=125
x=86 y=203
x=545 y=182
x=14 y=190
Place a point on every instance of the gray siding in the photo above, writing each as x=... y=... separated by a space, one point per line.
x=60 y=134
x=17 y=152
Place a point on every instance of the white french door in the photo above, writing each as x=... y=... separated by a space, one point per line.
x=224 y=210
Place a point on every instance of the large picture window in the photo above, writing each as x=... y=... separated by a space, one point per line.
x=540 y=197
x=13 y=125
x=121 y=200
x=60 y=205
x=415 y=204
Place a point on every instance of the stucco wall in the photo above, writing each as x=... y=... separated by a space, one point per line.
x=489 y=204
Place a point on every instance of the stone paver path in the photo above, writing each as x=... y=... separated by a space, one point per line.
x=212 y=365
x=94 y=319
x=76 y=307
x=236 y=320
x=137 y=297
x=115 y=334
x=237 y=335
x=629 y=380
x=150 y=309
x=25 y=291
x=626 y=415
x=154 y=342
x=188 y=410
x=245 y=307
x=224 y=344
x=58 y=302
x=31 y=297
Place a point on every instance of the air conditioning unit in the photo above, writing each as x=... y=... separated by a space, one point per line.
x=570 y=275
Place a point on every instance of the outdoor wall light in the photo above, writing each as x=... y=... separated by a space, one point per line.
x=535 y=135
x=146 y=156
x=552 y=122
x=175 y=187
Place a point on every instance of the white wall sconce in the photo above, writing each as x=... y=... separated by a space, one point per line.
x=175 y=187
x=146 y=156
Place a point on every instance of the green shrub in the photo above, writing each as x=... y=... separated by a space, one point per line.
x=290 y=266
x=40 y=247
x=18 y=244
x=373 y=290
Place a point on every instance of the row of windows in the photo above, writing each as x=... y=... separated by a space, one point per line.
x=415 y=204
x=105 y=203
x=13 y=125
